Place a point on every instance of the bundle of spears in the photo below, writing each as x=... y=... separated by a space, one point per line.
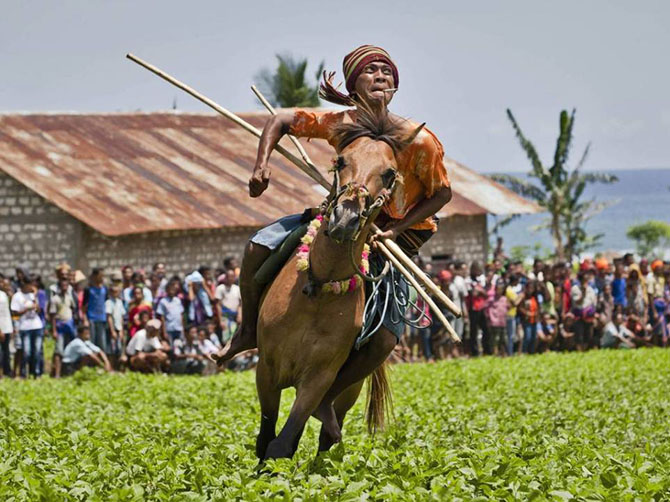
x=423 y=285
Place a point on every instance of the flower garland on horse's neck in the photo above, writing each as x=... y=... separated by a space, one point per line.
x=337 y=287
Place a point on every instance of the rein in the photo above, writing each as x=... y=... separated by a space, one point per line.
x=326 y=209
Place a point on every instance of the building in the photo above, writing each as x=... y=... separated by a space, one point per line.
x=103 y=190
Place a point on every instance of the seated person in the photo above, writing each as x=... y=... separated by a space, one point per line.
x=145 y=350
x=643 y=337
x=568 y=332
x=616 y=335
x=82 y=352
x=207 y=346
x=188 y=358
x=546 y=333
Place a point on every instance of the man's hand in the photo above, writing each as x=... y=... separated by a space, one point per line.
x=259 y=180
x=390 y=233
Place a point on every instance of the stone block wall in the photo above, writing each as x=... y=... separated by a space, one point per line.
x=459 y=238
x=36 y=233
x=33 y=232
x=182 y=250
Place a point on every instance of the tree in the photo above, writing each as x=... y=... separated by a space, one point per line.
x=559 y=190
x=288 y=87
x=649 y=235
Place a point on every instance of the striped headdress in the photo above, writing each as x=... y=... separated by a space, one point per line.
x=352 y=66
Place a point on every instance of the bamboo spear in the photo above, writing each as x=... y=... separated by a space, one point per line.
x=312 y=172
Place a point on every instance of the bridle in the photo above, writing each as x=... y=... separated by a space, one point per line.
x=361 y=192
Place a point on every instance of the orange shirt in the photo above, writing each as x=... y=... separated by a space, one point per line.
x=420 y=164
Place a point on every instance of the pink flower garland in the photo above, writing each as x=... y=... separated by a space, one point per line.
x=335 y=287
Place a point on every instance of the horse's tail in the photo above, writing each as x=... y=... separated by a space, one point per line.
x=379 y=402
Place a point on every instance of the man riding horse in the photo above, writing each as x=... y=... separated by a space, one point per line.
x=408 y=217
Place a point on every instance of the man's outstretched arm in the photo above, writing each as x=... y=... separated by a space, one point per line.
x=273 y=131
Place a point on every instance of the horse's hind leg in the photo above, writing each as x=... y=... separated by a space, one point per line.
x=269 y=396
x=341 y=406
x=308 y=396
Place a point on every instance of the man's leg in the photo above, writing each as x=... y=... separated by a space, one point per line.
x=245 y=336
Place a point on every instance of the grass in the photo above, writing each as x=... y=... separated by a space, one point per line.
x=592 y=426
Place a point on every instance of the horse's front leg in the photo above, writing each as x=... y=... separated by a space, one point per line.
x=340 y=406
x=308 y=396
x=269 y=396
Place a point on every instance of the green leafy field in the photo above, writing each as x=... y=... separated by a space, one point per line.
x=592 y=426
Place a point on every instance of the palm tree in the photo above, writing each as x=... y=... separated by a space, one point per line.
x=288 y=87
x=559 y=191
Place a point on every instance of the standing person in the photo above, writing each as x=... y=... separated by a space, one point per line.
x=513 y=293
x=497 y=307
x=636 y=297
x=231 y=263
x=584 y=301
x=200 y=295
x=31 y=329
x=170 y=311
x=230 y=303
x=6 y=325
x=135 y=308
x=477 y=295
x=82 y=352
x=145 y=350
x=93 y=307
x=115 y=313
x=657 y=303
x=529 y=309
x=459 y=292
x=61 y=314
x=619 y=285
x=159 y=270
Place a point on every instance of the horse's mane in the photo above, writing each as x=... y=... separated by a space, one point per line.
x=375 y=124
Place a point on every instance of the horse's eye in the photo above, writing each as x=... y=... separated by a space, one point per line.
x=340 y=163
x=387 y=177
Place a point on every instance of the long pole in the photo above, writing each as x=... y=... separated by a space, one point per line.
x=306 y=168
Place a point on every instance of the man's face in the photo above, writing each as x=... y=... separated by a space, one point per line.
x=127 y=273
x=230 y=278
x=85 y=334
x=160 y=269
x=375 y=78
x=63 y=284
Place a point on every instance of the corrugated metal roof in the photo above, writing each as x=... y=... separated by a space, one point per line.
x=140 y=172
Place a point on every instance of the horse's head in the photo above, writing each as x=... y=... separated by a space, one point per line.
x=366 y=172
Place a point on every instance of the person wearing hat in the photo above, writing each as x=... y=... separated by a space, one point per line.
x=657 y=302
x=371 y=79
x=145 y=350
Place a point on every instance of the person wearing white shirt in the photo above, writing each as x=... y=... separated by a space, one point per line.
x=145 y=350
x=31 y=329
x=82 y=352
x=6 y=325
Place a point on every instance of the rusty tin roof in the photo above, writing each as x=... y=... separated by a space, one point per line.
x=140 y=172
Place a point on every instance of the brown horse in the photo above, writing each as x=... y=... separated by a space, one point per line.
x=304 y=339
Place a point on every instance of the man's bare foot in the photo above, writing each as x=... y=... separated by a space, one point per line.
x=242 y=340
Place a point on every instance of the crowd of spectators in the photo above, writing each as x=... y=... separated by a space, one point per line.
x=130 y=319
x=508 y=310
x=150 y=321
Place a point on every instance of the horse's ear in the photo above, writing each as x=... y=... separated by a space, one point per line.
x=408 y=141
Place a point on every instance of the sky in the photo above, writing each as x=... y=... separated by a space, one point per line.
x=461 y=64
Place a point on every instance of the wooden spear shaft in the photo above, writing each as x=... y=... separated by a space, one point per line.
x=229 y=115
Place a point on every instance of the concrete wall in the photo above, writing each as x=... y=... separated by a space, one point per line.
x=39 y=235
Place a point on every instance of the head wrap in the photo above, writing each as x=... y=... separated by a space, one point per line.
x=656 y=264
x=352 y=66
x=154 y=324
